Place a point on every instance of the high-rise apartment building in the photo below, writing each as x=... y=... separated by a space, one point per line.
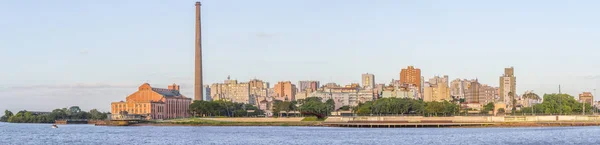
x=207 y=93
x=487 y=94
x=508 y=85
x=436 y=93
x=411 y=76
x=308 y=85
x=439 y=80
x=285 y=91
x=259 y=84
x=368 y=81
x=232 y=91
x=472 y=91
x=436 y=90
x=457 y=88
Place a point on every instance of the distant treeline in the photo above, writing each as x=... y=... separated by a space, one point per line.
x=223 y=108
x=57 y=114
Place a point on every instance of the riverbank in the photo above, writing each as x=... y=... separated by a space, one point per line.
x=232 y=122
x=391 y=121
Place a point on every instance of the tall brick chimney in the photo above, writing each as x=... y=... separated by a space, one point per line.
x=198 y=86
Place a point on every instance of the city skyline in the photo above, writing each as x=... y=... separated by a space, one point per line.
x=81 y=73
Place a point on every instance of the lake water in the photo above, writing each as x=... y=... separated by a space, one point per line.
x=89 y=134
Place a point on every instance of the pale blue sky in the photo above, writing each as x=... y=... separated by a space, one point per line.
x=89 y=53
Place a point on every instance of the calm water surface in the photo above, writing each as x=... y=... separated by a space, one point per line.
x=89 y=134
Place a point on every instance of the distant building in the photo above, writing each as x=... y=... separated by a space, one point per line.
x=487 y=94
x=457 y=88
x=207 y=93
x=411 y=76
x=439 y=80
x=472 y=93
x=332 y=85
x=400 y=92
x=586 y=97
x=232 y=91
x=154 y=103
x=436 y=93
x=258 y=84
x=368 y=81
x=285 y=91
x=308 y=85
x=508 y=85
x=344 y=96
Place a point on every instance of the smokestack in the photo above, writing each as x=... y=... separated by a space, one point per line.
x=198 y=90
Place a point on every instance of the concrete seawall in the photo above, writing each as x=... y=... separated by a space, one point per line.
x=247 y=119
x=500 y=121
x=468 y=119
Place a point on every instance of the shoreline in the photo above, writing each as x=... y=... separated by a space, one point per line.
x=374 y=125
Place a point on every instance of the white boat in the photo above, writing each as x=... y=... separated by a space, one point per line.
x=54 y=126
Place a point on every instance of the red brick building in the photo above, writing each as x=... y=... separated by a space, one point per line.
x=154 y=103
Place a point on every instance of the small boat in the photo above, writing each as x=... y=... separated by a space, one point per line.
x=54 y=126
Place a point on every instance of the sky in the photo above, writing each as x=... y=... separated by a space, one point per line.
x=61 y=53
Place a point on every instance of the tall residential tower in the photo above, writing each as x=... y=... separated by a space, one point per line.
x=508 y=85
x=411 y=76
x=368 y=81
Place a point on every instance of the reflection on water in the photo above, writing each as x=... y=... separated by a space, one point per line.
x=89 y=134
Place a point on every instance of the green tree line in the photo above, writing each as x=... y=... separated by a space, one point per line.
x=73 y=112
x=223 y=108
x=406 y=106
x=558 y=104
x=311 y=106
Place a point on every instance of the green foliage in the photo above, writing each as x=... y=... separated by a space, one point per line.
x=345 y=108
x=313 y=106
x=391 y=106
x=441 y=108
x=561 y=104
x=488 y=107
x=7 y=114
x=223 y=108
x=57 y=114
x=283 y=106
x=501 y=111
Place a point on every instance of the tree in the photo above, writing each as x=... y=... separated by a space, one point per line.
x=97 y=115
x=513 y=101
x=7 y=114
x=74 y=109
x=531 y=96
x=344 y=108
x=330 y=106
x=488 y=107
x=314 y=106
x=501 y=111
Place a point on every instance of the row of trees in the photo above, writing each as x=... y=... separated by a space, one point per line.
x=73 y=112
x=223 y=108
x=311 y=106
x=558 y=104
x=314 y=106
x=406 y=106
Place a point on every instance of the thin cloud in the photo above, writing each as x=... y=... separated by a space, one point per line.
x=75 y=86
x=265 y=35
x=84 y=52
x=591 y=77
